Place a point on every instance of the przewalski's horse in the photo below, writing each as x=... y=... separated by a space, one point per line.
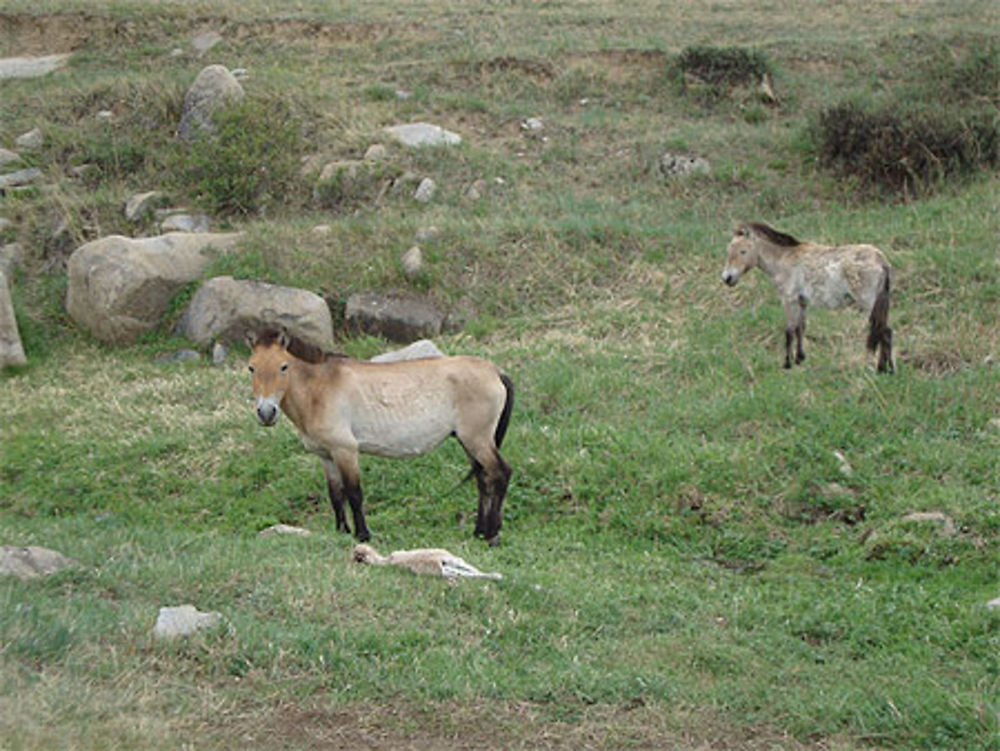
x=809 y=274
x=343 y=407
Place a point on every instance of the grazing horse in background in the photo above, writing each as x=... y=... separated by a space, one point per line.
x=342 y=407
x=809 y=274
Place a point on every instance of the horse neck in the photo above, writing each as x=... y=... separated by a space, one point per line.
x=295 y=401
x=772 y=259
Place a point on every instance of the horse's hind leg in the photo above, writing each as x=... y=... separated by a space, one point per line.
x=492 y=478
x=795 y=328
x=885 y=362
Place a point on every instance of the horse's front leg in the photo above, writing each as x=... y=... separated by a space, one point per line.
x=350 y=472
x=335 y=487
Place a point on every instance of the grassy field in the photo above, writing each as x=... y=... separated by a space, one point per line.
x=686 y=562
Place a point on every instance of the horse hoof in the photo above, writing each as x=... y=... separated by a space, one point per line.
x=364 y=536
x=494 y=541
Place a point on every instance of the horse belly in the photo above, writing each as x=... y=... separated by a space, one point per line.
x=403 y=434
x=830 y=288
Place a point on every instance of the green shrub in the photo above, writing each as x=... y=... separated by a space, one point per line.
x=901 y=151
x=248 y=163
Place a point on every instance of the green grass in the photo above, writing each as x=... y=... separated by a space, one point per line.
x=685 y=562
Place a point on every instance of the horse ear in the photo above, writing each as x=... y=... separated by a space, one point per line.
x=250 y=337
x=283 y=338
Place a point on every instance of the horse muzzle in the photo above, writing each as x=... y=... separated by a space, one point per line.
x=730 y=277
x=267 y=413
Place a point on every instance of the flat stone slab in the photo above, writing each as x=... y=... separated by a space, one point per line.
x=284 y=529
x=419 y=350
x=423 y=134
x=21 y=177
x=31 y=561
x=31 y=67
x=183 y=620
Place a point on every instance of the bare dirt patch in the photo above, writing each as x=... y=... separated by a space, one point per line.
x=22 y=34
x=465 y=727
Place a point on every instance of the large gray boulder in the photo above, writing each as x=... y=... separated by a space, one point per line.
x=226 y=308
x=120 y=288
x=214 y=88
x=11 y=351
x=401 y=319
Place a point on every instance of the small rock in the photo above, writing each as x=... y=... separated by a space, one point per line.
x=845 y=466
x=283 y=529
x=11 y=349
x=10 y=257
x=205 y=41
x=476 y=190
x=993 y=604
x=425 y=190
x=240 y=74
x=219 y=353
x=186 y=223
x=420 y=350
x=427 y=234
x=680 y=165
x=412 y=262
x=21 y=177
x=176 y=52
x=8 y=157
x=33 y=139
x=183 y=620
x=84 y=171
x=104 y=116
x=402 y=94
x=139 y=205
x=5 y=223
x=532 y=124
x=322 y=229
x=423 y=134
x=376 y=153
x=181 y=355
x=935 y=517
x=31 y=561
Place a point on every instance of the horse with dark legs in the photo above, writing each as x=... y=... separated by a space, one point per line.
x=810 y=274
x=343 y=407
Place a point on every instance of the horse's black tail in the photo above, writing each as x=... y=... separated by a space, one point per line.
x=508 y=407
x=878 y=320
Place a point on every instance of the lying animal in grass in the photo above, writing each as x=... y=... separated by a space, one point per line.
x=810 y=274
x=433 y=561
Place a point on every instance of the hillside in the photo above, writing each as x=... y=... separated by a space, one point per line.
x=701 y=549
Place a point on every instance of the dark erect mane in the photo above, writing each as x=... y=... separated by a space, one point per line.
x=301 y=349
x=778 y=238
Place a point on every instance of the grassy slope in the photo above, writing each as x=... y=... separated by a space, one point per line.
x=685 y=562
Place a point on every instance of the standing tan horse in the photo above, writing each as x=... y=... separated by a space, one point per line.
x=809 y=274
x=343 y=407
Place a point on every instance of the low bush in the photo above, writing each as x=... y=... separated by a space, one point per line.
x=904 y=152
x=724 y=66
x=249 y=162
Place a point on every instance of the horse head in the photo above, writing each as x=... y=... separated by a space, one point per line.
x=741 y=255
x=270 y=365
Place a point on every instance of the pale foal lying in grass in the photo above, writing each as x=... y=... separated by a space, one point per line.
x=433 y=561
